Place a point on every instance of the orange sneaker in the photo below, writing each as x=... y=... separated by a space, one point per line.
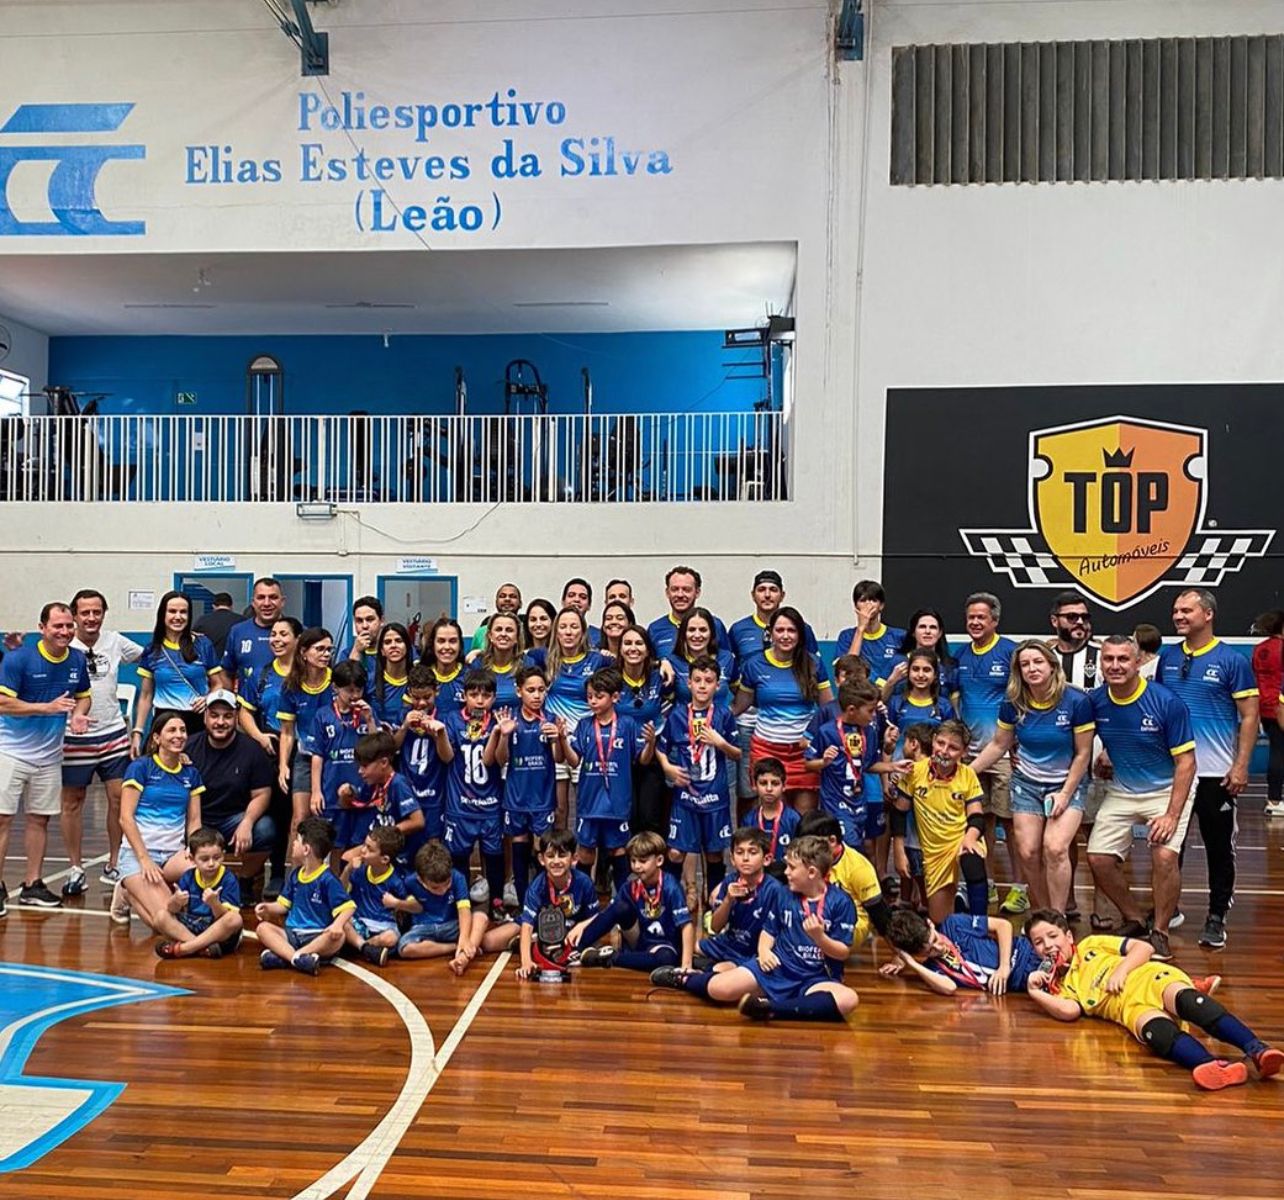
x=1218 y=1074
x=1207 y=984
x=1268 y=1062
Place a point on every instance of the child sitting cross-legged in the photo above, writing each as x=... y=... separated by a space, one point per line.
x=207 y=902
x=440 y=911
x=370 y=874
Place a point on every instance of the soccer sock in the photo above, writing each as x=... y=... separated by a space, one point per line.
x=646 y=960
x=978 y=891
x=619 y=869
x=494 y=865
x=714 y=873
x=815 y=1006
x=1210 y=1015
x=697 y=983
x=521 y=868
x=1231 y=1029
x=1166 y=1040
x=612 y=915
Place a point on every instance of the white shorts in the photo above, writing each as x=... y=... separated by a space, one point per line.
x=37 y=789
x=562 y=772
x=1120 y=811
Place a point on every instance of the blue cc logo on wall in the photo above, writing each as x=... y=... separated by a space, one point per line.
x=44 y=1113
x=73 y=179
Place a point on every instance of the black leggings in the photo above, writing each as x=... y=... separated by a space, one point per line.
x=1275 y=764
x=650 y=800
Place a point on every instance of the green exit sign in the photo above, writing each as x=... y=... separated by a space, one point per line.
x=186 y=397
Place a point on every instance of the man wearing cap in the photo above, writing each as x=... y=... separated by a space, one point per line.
x=238 y=788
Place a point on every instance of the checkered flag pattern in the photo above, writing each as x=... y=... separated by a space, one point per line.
x=1218 y=555
x=1023 y=556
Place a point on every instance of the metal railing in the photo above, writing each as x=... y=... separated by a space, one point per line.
x=604 y=458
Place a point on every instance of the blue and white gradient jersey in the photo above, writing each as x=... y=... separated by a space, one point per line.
x=1209 y=681
x=1143 y=734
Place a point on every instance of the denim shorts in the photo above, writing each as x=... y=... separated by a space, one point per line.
x=128 y=863
x=301 y=773
x=445 y=934
x=1028 y=795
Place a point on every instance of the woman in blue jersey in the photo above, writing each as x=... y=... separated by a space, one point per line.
x=1050 y=724
x=501 y=655
x=159 y=807
x=697 y=635
x=642 y=698
x=260 y=698
x=307 y=690
x=175 y=670
x=539 y=620
x=394 y=657
x=616 y=618
x=443 y=649
x=788 y=685
x=926 y=631
x=919 y=698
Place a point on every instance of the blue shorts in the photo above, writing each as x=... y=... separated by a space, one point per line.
x=463 y=833
x=432 y=807
x=610 y=833
x=368 y=927
x=693 y=830
x=1028 y=795
x=782 y=989
x=193 y=925
x=717 y=948
x=521 y=824
x=301 y=773
x=875 y=819
x=298 y=938
x=261 y=836
x=851 y=821
x=444 y=934
x=81 y=774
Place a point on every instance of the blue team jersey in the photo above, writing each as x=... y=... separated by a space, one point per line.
x=334 y=741
x=31 y=674
x=663 y=632
x=313 y=898
x=605 y=789
x=903 y=711
x=388 y=707
x=706 y=765
x=424 y=771
x=398 y=803
x=367 y=892
x=842 y=782
x=643 y=700
x=982 y=682
x=1045 y=736
x=438 y=908
x=161 y=815
x=661 y=910
x=1209 y=681
x=505 y=685
x=739 y=936
x=176 y=681
x=246 y=652
x=369 y=659
x=473 y=788
x=801 y=960
x=578 y=901
x=568 y=694
x=781 y=830
x=260 y=694
x=1142 y=734
x=529 y=786
x=749 y=636
x=728 y=678
x=881 y=649
x=450 y=690
x=299 y=708
x=783 y=712
x=973 y=956
x=223 y=882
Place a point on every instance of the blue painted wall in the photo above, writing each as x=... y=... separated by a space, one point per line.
x=632 y=372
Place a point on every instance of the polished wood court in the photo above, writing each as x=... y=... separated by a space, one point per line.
x=258 y=1084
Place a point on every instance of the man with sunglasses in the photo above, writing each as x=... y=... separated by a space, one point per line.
x=1071 y=620
x=1218 y=687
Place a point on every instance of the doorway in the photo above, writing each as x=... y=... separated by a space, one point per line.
x=417 y=600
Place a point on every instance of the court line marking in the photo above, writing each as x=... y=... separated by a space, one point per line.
x=89 y=862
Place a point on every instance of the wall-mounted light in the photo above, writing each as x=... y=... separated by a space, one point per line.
x=316 y=511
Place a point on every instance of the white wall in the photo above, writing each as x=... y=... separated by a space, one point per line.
x=29 y=356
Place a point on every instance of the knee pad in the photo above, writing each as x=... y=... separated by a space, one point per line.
x=1160 y=1035
x=973 y=868
x=1198 y=1009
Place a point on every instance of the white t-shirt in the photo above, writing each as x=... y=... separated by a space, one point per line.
x=105 y=658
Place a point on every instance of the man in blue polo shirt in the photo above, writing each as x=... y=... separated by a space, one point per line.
x=682 y=590
x=878 y=644
x=44 y=693
x=1217 y=685
x=246 y=651
x=1150 y=763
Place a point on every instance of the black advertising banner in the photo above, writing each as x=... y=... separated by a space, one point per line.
x=1124 y=493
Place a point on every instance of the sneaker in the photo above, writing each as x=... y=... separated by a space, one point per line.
x=960 y=898
x=110 y=875
x=891 y=885
x=1178 y=920
x=756 y=1008
x=76 y=883
x=1163 y=951
x=1206 y=984
x=499 y=914
x=510 y=895
x=378 y=955
x=269 y=960
x=4 y=900
x=226 y=946
x=991 y=896
x=1017 y=901
x=1268 y=1062
x=668 y=977
x=707 y=921
x=307 y=964
x=1132 y=929
x=1214 y=935
x=1218 y=1074
x=598 y=956
x=479 y=893
x=214 y=951
x=167 y=950
x=1275 y=808
x=119 y=911
x=36 y=895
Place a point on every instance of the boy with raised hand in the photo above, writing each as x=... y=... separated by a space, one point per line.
x=740 y=903
x=650 y=911
x=852 y=872
x=605 y=745
x=559 y=883
x=697 y=742
x=979 y=953
x=383 y=797
x=440 y=912
x=804 y=944
x=771 y=815
x=315 y=906
x=1113 y=978
x=530 y=749
x=206 y=902
x=336 y=729
x=370 y=874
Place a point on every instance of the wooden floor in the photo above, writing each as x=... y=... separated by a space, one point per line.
x=261 y=1084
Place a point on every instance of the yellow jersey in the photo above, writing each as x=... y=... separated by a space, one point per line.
x=940 y=805
x=855 y=874
x=1096 y=958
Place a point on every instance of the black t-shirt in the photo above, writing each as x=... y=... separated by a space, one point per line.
x=216 y=624
x=230 y=774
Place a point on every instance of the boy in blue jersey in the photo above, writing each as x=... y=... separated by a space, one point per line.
x=421 y=738
x=607 y=744
x=474 y=787
x=777 y=822
x=878 y=644
x=699 y=739
x=977 y=953
x=336 y=729
x=739 y=904
x=529 y=750
x=314 y=905
x=440 y=912
x=560 y=883
x=206 y=902
x=370 y=874
x=382 y=797
x=650 y=911
x=804 y=943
